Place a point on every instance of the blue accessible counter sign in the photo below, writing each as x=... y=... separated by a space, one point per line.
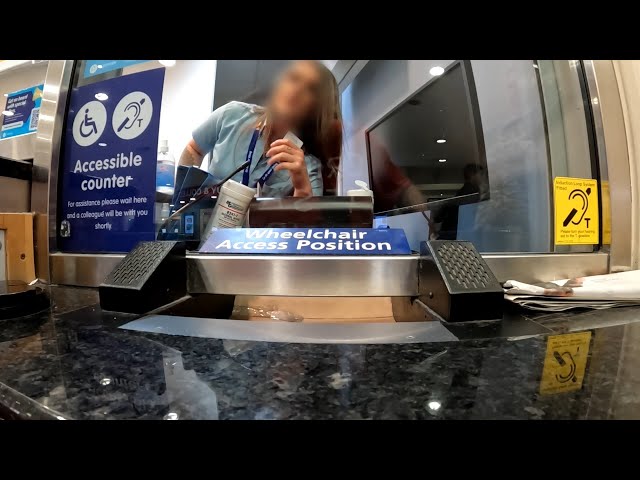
x=307 y=241
x=109 y=164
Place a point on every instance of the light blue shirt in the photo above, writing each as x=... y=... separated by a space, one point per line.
x=227 y=133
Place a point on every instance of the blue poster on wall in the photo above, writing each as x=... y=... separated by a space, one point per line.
x=109 y=164
x=21 y=112
x=97 y=67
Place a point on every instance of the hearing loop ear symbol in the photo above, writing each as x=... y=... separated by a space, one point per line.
x=584 y=196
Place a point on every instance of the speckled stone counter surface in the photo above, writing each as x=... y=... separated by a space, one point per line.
x=74 y=362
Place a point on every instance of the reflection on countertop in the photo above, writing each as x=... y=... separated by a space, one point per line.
x=75 y=362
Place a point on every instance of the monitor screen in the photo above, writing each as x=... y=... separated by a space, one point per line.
x=430 y=149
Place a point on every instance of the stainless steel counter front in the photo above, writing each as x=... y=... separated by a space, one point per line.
x=324 y=276
x=265 y=275
x=335 y=276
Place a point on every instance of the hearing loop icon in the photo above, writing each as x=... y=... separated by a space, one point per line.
x=132 y=115
x=583 y=195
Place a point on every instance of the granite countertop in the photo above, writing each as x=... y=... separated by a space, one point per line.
x=74 y=362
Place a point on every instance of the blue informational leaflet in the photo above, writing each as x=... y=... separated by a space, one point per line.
x=21 y=112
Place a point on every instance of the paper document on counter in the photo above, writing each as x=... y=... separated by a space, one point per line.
x=597 y=292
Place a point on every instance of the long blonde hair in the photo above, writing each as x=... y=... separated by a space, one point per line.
x=322 y=132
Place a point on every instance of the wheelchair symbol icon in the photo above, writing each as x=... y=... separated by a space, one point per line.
x=89 y=123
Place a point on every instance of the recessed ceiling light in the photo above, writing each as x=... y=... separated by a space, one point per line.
x=441 y=140
x=435 y=71
x=167 y=63
x=7 y=113
x=102 y=144
x=434 y=405
x=442 y=160
x=101 y=96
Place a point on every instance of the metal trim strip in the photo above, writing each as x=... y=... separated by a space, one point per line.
x=325 y=276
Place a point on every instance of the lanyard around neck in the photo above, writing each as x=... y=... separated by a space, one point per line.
x=257 y=132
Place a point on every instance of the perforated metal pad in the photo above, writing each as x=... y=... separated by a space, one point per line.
x=463 y=265
x=139 y=264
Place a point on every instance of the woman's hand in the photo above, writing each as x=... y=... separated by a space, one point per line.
x=291 y=158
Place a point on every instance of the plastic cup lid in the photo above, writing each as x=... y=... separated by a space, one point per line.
x=359 y=193
x=363 y=185
x=239 y=188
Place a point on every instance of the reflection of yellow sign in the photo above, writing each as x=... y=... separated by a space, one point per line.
x=576 y=211
x=37 y=93
x=565 y=363
x=606 y=213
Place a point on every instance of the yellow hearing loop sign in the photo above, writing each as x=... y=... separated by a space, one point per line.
x=565 y=363
x=577 y=219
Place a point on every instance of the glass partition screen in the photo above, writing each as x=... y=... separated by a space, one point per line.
x=470 y=150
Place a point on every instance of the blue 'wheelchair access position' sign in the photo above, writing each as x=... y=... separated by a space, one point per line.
x=307 y=241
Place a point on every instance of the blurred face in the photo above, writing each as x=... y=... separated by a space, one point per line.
x=296 y=93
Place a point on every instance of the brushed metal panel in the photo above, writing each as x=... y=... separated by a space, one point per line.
x=81 y=270
x=303 y=276
x=45 y=160
x=324 y=276
x=546 y=267
x=614 y=149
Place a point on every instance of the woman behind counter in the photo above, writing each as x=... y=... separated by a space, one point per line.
x=304 y=101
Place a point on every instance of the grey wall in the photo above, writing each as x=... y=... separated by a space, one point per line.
x=245 y=80
x=517 y=217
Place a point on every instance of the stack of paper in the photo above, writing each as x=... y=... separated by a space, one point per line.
x=598 y=292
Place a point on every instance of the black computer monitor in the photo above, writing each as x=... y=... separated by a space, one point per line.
x=430 y=148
